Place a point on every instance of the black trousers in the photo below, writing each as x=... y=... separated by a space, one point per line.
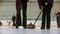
x=58 y=21
x=24 y=9
x=46 y=17
x=18 y=14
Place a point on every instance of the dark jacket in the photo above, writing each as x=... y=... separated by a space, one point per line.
x=42 y=2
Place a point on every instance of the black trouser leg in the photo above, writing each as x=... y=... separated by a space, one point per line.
x=18 y=19
x=43 y=19
x=18 y=14
x=48 y=21
x=49 y=7
x=24 y=9
x=58 y=21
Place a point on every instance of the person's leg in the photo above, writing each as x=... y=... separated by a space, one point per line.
x=13 y=23
x=43 y=19
x=48 y=21
x=18 y=14
x=58 y=21
x=24 y=9
x=48 y=8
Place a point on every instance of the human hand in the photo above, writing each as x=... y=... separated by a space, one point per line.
x=46 y=3
x=40 y=10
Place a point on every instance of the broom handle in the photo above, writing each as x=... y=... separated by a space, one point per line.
x=37 y=17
